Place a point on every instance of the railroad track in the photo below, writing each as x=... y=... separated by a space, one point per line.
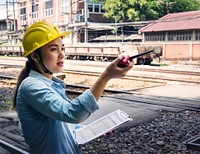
x=14 y=143
x=12 y=148
x=70 y=88
x=152 y=79
x=79 y=89
x=160 y=76
x=103 y=65
x=149 y=69
x=178 y=72
x=168 y=102
x=130 y=98
x=11 y=138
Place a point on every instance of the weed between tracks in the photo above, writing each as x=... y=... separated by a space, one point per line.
x=6 y=97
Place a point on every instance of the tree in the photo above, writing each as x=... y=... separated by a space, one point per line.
x=183 y=5
x=174 y=6
x=127 y=10
x=137 y=10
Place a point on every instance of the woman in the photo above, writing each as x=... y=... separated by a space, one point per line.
x=48 y=118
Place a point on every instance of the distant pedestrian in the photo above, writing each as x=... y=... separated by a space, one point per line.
x=48 y=117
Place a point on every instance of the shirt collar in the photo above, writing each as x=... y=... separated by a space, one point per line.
x=45 y=79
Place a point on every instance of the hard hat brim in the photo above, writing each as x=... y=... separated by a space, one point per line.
x=65 y=34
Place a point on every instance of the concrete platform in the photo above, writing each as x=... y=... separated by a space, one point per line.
x=175 y=90
x=146 y=112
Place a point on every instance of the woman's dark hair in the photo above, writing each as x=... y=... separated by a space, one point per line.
x=23 y=74
x=30 y=65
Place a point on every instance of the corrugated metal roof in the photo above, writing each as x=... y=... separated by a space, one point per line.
x=175 y=21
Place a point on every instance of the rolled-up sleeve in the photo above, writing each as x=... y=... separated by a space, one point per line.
x=47 y=101
x=86 y=100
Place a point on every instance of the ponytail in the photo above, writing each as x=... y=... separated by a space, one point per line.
x=23 y=74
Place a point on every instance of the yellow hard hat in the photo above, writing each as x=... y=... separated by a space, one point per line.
x=39 y=34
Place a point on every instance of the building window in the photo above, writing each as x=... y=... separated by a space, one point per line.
x=3 y=27
x=155 y=36
x=197 y=35
x=90 y=8
x=23 y=4
x=66 y=6
x=34 y=15
x=23 y=12
x=180 y=36
x=49 y=7
x=102 y=10
x=35 y=9
x=23 y=17
x=95 y=7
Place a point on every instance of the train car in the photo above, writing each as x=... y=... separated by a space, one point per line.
x=147 y=59
x=96 y=53
x=11 y=51
x=109 y=53
x=93 y=53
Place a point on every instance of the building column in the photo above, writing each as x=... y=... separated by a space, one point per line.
x=29 y=12
x=57 y=21
x=191 y=50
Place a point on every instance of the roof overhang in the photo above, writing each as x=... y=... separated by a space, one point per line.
x=107 y=26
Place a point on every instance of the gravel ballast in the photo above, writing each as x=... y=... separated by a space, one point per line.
x=164 y=135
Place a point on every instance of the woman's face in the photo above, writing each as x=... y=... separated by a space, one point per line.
x=53 y=55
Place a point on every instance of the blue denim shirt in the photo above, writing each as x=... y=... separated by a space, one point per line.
x=48 y=118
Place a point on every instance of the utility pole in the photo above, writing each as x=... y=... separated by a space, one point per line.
x=75 y=33
x=14 y=23
x=8 y=2
x=70 y=20
x=7 y=20
x=7 y=14
x=86 y=12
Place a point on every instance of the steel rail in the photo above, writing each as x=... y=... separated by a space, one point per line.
x=105 y=90
x=11 y=65
x=155 y=102
x=11 y=148
x=157 y=70
x=161 y=80
x=8 y=77
x=69 y=87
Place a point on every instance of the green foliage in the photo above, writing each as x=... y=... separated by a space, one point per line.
x=140 y=10
x=164 y=64
x=184 y=5
x=6 y=106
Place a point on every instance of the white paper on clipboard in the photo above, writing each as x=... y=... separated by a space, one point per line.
x=101 y=126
